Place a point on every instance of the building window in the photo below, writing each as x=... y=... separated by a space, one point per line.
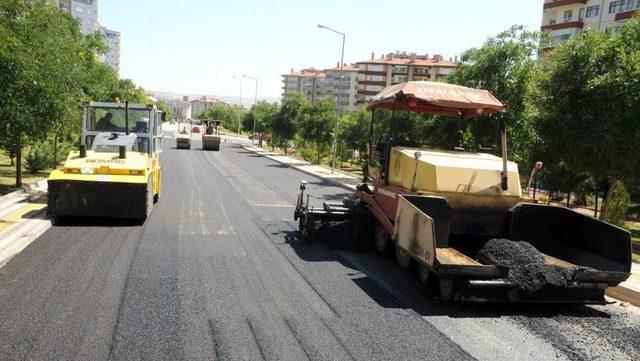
x=593 y=11
x=568 y=15
x=614 y=7
x=581 y=14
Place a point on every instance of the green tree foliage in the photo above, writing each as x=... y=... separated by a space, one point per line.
x=165 y=108
x=262 y=115
x=315 y=126
x=506 y=66
x=228 y=114
x=41 y=72
x=589 y=105
x=283 y=127
x=47 y=69
x=620 y=203
x=353 y=132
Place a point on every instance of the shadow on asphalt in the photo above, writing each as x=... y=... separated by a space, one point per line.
x=67 y=221
x=423 y=299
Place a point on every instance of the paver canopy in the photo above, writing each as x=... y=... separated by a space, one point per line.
x=437 y=98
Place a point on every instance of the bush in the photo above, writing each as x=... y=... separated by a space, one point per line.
x=619 y=206
x=40 y=157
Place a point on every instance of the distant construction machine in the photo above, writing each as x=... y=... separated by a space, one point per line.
x=211 y=135
x=183 y=136
x=116 y=171
x=456 y=215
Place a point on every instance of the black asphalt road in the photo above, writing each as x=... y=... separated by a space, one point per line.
x=217 y=272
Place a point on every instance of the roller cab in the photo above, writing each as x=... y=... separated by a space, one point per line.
x=183 y=136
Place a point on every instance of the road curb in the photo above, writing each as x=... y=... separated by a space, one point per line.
x=334 y=182
x=625 y=294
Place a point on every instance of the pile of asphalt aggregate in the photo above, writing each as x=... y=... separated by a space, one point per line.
x=527 y=267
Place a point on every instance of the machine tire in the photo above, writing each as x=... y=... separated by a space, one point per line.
x=381 y=241
x=403 y=257
x=149 y=198
x=447 y=289
x=424 y=274
x=362 y=227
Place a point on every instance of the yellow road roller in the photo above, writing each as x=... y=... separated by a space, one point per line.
x=116 y=171
x=211 y=136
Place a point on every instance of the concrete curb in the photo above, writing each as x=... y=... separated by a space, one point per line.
x=625 y=294
x=334 y=182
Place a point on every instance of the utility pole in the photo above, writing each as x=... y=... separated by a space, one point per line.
x=255 y=102
x=335 y=133
x=240 y=101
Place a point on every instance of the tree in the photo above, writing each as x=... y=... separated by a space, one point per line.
x=42 y=53
x=283 y=128
x=589 y=105
x=506 y=66
x=165 y=108
x=354 y=130
x=315 y=125
x=226 y=113
x=262 y=115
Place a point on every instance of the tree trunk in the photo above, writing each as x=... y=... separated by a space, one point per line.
x=285 y=150
x=595 y=211
x=607 y=199
x=318 y=152
x=568 y=199
x=19 y=167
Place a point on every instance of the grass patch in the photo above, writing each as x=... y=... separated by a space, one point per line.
x=636 y=256
x=8 y=175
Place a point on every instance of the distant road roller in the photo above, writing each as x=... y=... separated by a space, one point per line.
x=116 y=171
x=183 y=136
x=211 y=136
x=458 y=217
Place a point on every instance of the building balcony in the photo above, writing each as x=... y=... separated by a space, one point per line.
x=557 y=3
x=625 y=15
x=567 y=25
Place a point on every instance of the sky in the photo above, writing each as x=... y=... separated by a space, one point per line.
x=197 y=46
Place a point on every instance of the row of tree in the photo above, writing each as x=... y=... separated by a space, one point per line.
x=574 y=106
x=47 y=70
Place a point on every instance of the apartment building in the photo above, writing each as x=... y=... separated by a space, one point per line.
x=564 y=19
x=376 y=74
x=86 y=12
x=348 y=98
x=112 y=56
x=200 y=105
x=310 y=82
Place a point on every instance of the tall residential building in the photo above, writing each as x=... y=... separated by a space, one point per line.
x=564 y=19
x=86 y=12
x=112 y=56
x=202 y=104
x=348 y=98
x=310 y=82
x=376 y=74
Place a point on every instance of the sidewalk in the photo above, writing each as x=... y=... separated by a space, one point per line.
x=336 y=178
x=22 y=219
x=628 y=291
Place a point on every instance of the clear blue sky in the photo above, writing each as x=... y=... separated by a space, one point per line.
x=196 y=46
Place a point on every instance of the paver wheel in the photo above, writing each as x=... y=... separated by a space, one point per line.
x=446 y=289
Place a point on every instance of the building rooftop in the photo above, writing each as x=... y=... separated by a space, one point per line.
x=411 y=59
x=309 y=72
x=352 y=67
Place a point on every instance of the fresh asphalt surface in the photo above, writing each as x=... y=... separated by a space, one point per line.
x=217 y=272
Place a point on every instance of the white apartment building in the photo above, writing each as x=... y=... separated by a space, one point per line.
x=564 y=19
x=348 y=98
x=310 y=82
x=112 y=56
x=86 y=12
x=394 y=68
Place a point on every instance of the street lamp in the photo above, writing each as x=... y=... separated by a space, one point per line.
x=240 y=102
x=255 y=102
x=335 y=133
